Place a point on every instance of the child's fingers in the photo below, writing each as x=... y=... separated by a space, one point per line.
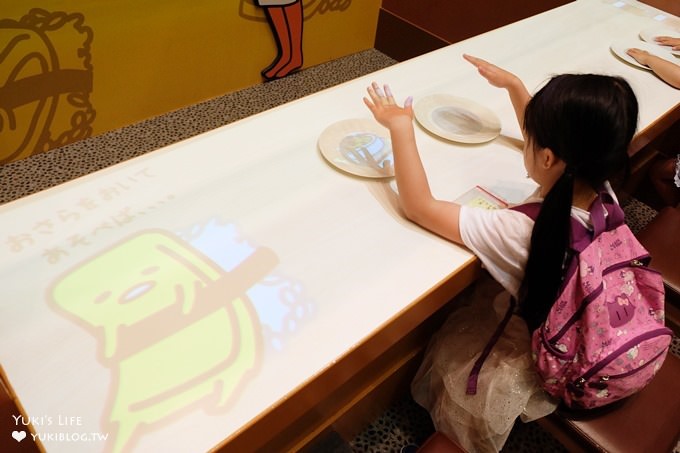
x=377 y=90
x=474 y=60
x=374 y=94
x=388 y=93
x=383 y=97
x=379 y=96
x=470 y=58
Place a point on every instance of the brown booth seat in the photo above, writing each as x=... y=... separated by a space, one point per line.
x=661 y=237
x=646 y=422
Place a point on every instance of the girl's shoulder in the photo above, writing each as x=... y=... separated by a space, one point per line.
x=502 y=221
x=532 y=205
x=532 y=209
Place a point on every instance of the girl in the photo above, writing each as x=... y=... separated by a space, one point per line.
x=577 y=130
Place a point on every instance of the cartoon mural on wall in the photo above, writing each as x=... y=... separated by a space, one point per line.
x=49 y=96
x=182 y=320
x=45 y=82
x=285 y=19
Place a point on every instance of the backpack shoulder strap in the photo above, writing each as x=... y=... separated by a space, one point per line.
x=530 y=209
x=580 y=235
x=477 y=367
x=605 y=213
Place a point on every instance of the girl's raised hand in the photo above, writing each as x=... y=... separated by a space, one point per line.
x=496 y=76
x=384 y=108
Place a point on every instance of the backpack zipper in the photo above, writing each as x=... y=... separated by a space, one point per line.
x=638 y=262
x=581 y=381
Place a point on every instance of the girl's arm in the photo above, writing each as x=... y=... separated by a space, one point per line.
x=519 y=96
x=666 y=70
x=415 y=196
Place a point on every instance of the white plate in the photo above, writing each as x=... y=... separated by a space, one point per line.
x=457 y=119
x=649 y=35
x=619 y=49
x=361 y=147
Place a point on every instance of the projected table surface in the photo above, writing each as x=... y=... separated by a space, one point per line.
x=171 y=302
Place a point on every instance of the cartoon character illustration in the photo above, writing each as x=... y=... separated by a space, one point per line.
x=603 y=393
x=561 y=347
x=285 y=18
x=621 y=310
x=628 y=280
x=584 y=271
x=45 y=82
x=174 y=327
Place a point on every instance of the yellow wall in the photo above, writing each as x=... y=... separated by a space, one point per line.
x=150 y=57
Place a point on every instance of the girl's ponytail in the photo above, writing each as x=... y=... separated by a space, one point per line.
x=587 y=121
x=549 y=242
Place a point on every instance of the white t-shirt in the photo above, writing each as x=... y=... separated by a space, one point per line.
x=500 y=238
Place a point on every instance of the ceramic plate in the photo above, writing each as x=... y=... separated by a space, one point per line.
x=361 y=147
x=650 y=35
x=619 y=49
x=457 y=119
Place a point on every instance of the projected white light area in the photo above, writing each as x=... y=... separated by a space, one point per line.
x=182 y=321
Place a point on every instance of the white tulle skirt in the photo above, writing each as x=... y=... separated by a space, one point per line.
x=507 y=387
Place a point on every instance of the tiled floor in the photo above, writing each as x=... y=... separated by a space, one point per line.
x=405 y=424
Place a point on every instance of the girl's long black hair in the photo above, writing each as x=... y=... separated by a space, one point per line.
x=588 y=121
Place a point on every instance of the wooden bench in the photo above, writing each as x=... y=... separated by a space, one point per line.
x=646 y=422
x=661 y=237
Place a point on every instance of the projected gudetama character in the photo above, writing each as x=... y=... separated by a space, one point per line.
x=174 y=328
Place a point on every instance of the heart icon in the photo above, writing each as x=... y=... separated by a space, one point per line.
x=19 y=435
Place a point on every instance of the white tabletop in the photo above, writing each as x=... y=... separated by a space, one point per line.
x=318 y=259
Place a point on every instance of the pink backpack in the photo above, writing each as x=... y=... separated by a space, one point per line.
x=604 y=337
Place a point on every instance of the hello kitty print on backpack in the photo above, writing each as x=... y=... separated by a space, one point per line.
x=604 y=337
